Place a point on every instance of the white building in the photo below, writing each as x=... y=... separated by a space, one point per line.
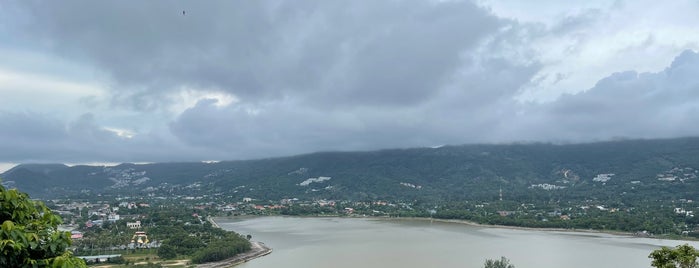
x=133 y=225
x=113 y=217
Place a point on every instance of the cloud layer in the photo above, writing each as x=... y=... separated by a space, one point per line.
x=117 y=82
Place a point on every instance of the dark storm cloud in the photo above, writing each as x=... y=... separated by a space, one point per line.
x=347 y=52
x=628 y=104
x=309 y=75
x=469 y=108
x=29 y=135
x=325 y=75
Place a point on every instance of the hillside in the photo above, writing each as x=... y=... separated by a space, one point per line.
x=633 y=169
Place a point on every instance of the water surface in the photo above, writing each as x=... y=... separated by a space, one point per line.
x=385 y=243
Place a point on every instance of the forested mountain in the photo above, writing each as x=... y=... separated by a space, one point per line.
x=631 y=169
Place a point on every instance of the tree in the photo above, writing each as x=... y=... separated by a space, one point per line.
x=166 y=251
x=29 y=235
x=682 y=256
x=501 y=263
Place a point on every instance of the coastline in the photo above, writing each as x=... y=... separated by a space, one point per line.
x=563 y=230
x=475 y=224
x=257 y=249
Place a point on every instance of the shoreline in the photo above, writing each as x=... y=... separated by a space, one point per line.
x=509 y=227
x=257 y=249
x=475 y=224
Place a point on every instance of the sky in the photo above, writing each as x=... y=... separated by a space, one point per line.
x=162 y=81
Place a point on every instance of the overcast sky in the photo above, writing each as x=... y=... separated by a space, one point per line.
x=141 y=81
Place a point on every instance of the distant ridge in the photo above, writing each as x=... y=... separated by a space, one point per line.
x=522 y=170
x=37 y=168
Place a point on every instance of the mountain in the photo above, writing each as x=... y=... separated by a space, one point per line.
x=38 y=168
x=629 y=169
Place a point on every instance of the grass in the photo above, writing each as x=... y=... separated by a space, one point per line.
x=146 y=259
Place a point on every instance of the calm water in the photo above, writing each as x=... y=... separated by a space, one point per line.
x=346 y=242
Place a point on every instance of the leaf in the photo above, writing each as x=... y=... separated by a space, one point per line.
x=7 y=226
x=34 y=237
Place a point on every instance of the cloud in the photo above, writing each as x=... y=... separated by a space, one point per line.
x=233 y=80
x=626 y=104
x=577 y=45
x=371 y=53
x=468 y=108
x=32 y=137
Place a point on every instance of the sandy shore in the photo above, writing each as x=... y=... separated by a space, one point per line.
x=257 y=250
x=470 y=223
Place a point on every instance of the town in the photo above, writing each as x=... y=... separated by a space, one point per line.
x=106 y=225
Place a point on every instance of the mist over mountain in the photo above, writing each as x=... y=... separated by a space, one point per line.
x=627 y=168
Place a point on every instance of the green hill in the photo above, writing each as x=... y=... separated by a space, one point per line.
x=662 y=169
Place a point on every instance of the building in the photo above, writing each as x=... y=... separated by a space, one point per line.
x=139 y=239
x=133 y=225
x=113 y=217
x=76 y=235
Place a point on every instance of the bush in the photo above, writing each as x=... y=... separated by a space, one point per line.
x=28 y=235
x=222 y=249
x=166 y=251
x=501 y=263
x=116 y=260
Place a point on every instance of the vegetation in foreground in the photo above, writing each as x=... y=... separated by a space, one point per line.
x=682 y=256
x=29 y=235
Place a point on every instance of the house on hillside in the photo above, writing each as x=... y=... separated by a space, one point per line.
x=134 y=225
x=112 y=217
x=76 y=235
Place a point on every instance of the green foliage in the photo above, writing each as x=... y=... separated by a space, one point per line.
x=116 y=260
x=167 y=251
x=450 y=173
x=183 y=243
x=29 y=235
x=202 y=242
x=452 y=178
x=501 y=263
x=222 y=249
x=682 y=256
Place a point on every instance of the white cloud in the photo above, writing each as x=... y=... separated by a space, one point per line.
x=47 y=93
x=580 y=44
x=187 y=98
x=124 y=133
x=541 y=11
x=630 y=104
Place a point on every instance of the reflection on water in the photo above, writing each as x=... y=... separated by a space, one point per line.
x=386 y=243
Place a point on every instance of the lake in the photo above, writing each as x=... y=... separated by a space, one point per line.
x=300 y=242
